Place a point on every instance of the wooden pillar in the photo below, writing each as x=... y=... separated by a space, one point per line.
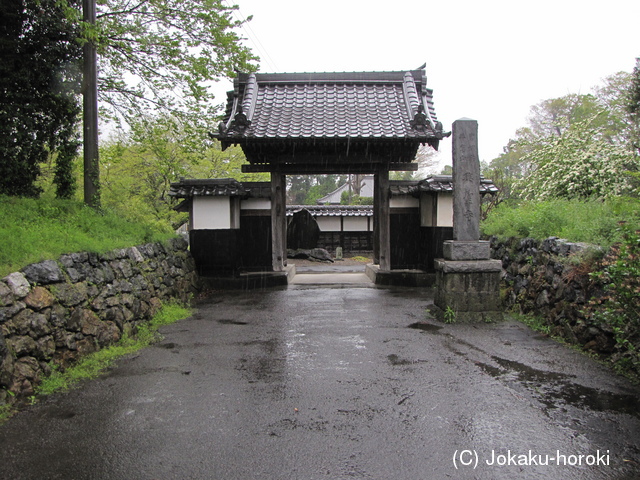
x=283 y=224
x=381 y=219
x=376 y=221
x=278 y=221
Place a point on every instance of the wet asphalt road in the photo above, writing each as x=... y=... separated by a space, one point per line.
x=334 y=383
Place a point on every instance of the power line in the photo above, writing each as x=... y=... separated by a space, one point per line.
x=264 y=54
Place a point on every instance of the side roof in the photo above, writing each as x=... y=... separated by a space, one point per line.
x=189 y=188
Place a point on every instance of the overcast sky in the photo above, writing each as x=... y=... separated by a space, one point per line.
x=488 y=60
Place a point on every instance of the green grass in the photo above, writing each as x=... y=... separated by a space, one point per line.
x=33 y=230
x=94 y=364
x=592 y=221
x=534 y=322
x=5 y=413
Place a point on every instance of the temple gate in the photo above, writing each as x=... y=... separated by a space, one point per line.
x=324 y=123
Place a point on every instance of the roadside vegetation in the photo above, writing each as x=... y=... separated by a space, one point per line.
x=590 y=221
x=32 y=230
x=98 y=362
x=573 y=172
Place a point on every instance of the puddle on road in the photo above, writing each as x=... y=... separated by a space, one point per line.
x=425 y=327
x=553 y=389
x=556 y=390
x=226 y=321
x=396 y=360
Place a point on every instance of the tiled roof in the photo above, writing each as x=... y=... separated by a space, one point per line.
x=227 y=187
x=333 y=210
x=209 y=187
x=440 y=183
x=435 y=183
x=369 y=105
x=231 y=187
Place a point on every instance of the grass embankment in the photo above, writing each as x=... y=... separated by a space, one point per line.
x=92 y=365
x=33 y=230
x=613 y=224
x=96 y=363
x=593 y=221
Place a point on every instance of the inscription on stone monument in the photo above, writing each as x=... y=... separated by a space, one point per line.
x=466 y=178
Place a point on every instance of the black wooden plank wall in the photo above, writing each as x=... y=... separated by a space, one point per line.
x=406 y=245
x=249 y=248
x=255 y=242
x=214 y=250
x=246 y=248
x=413 y=246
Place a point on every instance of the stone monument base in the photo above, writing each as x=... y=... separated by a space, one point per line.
x=467 y=290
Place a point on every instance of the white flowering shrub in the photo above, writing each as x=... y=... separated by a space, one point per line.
x=578 y=164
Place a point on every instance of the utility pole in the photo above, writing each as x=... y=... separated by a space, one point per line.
x=90 y=112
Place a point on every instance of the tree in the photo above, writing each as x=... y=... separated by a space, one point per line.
x=427 y=159
x=550 y=120
x=298 y=187
x=512 y=164
x=39 y=84
x=157 y=55
x=612 y=99
x=164 y=55
x=552 y=117
x=578 y=164
x=306 y=189
x=323 y=185
x=139 y=165
x=633 y=106
x=354 y=199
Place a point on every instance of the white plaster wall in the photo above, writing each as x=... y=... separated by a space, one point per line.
x=445 y=210
x=404 y=201
x=235 y=212
x=426 y=210
x=355 y=224
x=256 y=204
x=211 y=213
x=328 y=224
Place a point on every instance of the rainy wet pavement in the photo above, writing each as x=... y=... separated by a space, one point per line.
x=315 y=382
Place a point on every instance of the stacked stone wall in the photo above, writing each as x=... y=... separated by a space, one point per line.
x=551 y=280
x=54 y=312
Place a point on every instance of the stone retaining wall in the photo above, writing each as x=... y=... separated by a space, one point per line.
x=546 y=278
x=52 y=313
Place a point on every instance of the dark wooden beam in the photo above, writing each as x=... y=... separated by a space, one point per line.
x=278 y=221
x=381 y=212
x=315 y=169
x=300 y=157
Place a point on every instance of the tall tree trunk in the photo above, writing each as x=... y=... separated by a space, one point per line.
x=90 y=114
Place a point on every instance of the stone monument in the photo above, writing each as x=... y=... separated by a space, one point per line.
x=467 y=280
